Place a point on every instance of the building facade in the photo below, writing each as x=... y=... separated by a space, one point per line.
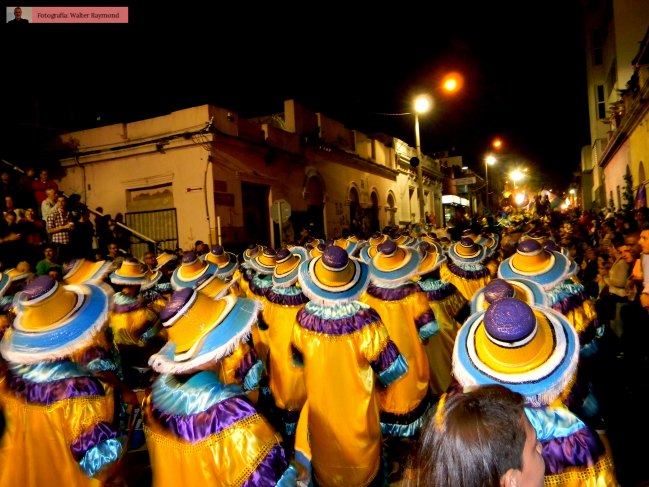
x=204 y=173
x=615 y=42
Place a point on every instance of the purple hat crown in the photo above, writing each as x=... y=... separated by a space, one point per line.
x=322 y=246
x=335 y=257
x=388 y=247
x=38 y=287
x=283 y=254
x=467 y=242
x=423 y=247
x=176 y=302
x=509 y=320
x=189 y=257
x=376 y=235
x=529 y=247
x=217 y=250
x=497 y=290
x=551 y=245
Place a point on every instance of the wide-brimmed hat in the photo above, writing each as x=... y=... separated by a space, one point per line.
x=226 y=261
x=251 y=250
x=377 y=238
x=79 y=271
x=317 y=250
x=202 y=330
x=130 y=273
x=532 y=350
x=466 y=251
x=432 y=257
x=192 y=272
x=539 y=234
x=472 y=234
x=405 y=239
x=531 y=261
x=394 y=263
x=367 y=253
x=523 y=289
x=350 y=244
x=264 y=262
x=54 y=320
x=152 y=278
x=333 y=277
x=287 y=264
x=11 y=276
x=165 y=258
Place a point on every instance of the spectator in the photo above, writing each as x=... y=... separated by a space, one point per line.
x=49 y=203
x=25 y=193
x=83 y=235
x=34 y=235
x=119 y=236
x=44 y=265
x=477 y=438
x=40 y=185
x=10 y=240
x=59 y=227
x=6 y=187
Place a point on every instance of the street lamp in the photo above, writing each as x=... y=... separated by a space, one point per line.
x=422 y=105
x=489 y=160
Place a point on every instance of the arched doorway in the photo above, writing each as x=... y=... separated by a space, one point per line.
x=391 y=210
x=375 y=224
x=355 y=212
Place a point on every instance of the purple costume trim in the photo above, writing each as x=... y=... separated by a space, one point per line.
x=424 y=319
x=51 y=392
x=257 y=290
x=392 y=294
x=286 y=300
x=197 y=427
x=246 y=363
x=341 y=326
x=128 y=307
x=99 y=433
x=270 y=470
x=467 y=274
x=444 y=292
x=569 y=303
x=386 y=358
x=580 y=449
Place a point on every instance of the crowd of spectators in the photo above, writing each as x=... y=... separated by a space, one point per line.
x=42 y=229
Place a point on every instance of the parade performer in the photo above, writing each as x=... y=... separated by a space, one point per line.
x=446 y=302
x=533 y=350
x=465 y=269
x=404 y=310
x=246 y=271
x=228 y=267
x=200 y=427
x=341 y=343
x=283 y=302
x=201 y=275
x=60 y=424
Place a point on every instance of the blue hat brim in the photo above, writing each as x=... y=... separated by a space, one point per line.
x=290 y=278
x=540 y=386
x=458 y=259
x=405 y=272
x=534 y=292
x=218 y=343
x=323 y=295
x=178 y=282
x=549 y=278
x=4 y=283
x=364 y=253
x=75 y=333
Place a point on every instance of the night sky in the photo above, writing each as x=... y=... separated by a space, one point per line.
x=523 y=65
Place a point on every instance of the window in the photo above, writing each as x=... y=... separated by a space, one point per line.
x=601 y=102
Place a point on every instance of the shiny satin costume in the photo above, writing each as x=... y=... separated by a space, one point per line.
x=446 y=302
x=59 y=426
x=467 y=278
x=286 y=381
x=342 y=347
x=203 y=432
x=405 y=312
x=131 y=321
x=574 y=454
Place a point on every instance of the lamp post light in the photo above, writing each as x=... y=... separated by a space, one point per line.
x=422 y=105
x=489 y=160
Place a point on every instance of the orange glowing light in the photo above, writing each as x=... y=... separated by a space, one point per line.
x=452 y=82
x=497 y=143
